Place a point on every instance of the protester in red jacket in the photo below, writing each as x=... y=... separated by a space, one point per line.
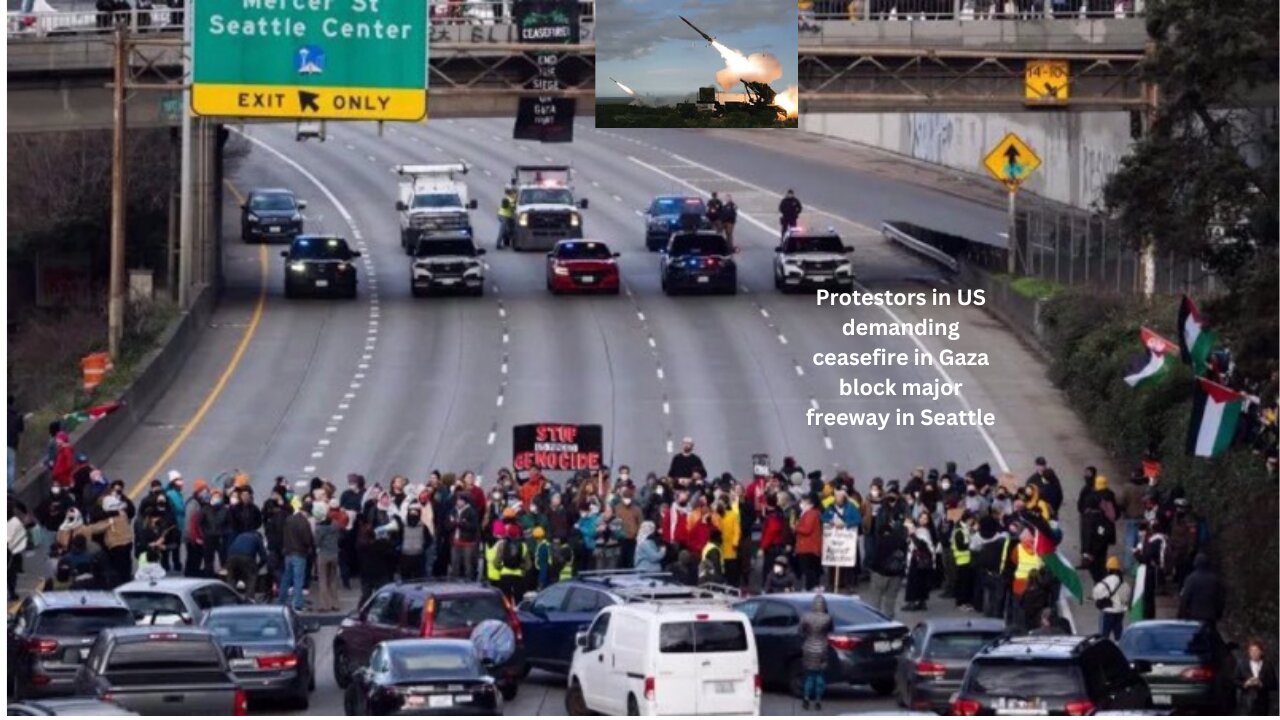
x=809 y=543
x=675 y=522
x=64 y=462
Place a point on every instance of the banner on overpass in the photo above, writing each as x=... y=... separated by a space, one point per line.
x=547 y=21
x=557 y=446
x=546 y=118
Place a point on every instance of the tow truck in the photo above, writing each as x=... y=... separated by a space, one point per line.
x=432 y=200
x=545 y=209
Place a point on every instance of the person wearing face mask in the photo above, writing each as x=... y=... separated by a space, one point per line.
x=920 y=564
x=533 y=485
x=414 y=541
x=779 y=578
x=727 y=518
x=649 y=554
x=589 y=529
x=117 y=539
x=775 y=532
x=630 y=518
x=653 y=495
x=962 y=546
x=675 y=522
x=215 y=524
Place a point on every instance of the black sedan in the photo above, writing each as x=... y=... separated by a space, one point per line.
x=863 y=646
x=697 y=262
x=1186 y=664
x=272 y=213
x=423 y=677
x=319 y=264
x=269 y=649
x=937 y=655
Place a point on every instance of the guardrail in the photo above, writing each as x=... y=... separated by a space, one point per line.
x=169 y=18
x=893 y=234
x=902 y=10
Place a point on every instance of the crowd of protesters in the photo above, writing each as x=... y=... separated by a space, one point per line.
x=974 y=539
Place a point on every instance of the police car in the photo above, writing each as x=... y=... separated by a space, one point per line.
x=809 y=259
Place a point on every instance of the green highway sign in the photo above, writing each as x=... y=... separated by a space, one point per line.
x=310 y=59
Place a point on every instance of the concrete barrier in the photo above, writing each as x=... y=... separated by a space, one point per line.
x=100 y=439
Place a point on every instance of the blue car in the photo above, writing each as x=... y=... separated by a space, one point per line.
x=552 y=618
x=671 y=213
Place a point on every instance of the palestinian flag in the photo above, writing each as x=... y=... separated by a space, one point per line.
x=1214 y=414
x=1041 y=535
x=1194 y=339
x=1154 y=363
x=1136 y=612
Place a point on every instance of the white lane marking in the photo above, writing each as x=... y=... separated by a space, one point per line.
x=653 y=343
x=344 y=406
x=355 y=386
x=488 y=172
x=349 y=396
x=363 y=366
x=439 y=149
x=359 y=376
x=826 y=440
x=782 y=338
x=350 y=146
x=505 y=338
x=660 y=374
x=595 y=183
x=618 y=198
x=492 y=437
x=504 y=368
x=640 y=315
x=637 y=212
x=337 y=418
x=800 y=371
x=317 y=454
x=372 y=158
x=964 y=401
x=324 y=441
x=500 y=401
x=813 y=403
x=502 y=312
x=764 y=312
x=309 y=469
x=669 y=447
x=666 y=408
x=331 y=429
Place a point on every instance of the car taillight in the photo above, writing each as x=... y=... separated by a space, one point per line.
x=1198 y=674
x=429 y=618
x=650 y=688
x=277 y=662
x=513 y=619
x=1080 y=707
x=40 y=679
x=963 y=707
x=759 y=684
x=242 y=703
x=843 y=642
x=42 y=646
x=926 y=668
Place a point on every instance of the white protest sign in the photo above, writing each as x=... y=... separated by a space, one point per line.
x=839 y=547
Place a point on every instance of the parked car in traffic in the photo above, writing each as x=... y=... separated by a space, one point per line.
x=552 y=618
x=863 y=646
x=937 y=654
x=270 y=650
x=271 y=214
x=430 y=609
x=423 y=677
x=174 y=599
x=50 y=636
x=582 y=266
x=175 y=670
x=320 y=265
x=1050 y=675
x=665 y=658
x=699 y=261
x=1187 y=664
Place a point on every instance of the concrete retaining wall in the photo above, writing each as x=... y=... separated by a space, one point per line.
x=100 y=439
x=1078 y=151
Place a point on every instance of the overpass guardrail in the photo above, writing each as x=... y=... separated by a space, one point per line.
x=913 y=10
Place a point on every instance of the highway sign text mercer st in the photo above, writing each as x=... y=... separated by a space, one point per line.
x=310 y=59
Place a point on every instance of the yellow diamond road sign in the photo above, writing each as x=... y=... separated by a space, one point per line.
x=1047 y=81
x=1011 y=161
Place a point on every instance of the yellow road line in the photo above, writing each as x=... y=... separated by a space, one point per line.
x=227 y=372
x=234 y=191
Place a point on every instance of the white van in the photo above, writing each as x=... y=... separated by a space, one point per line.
x=665 y=658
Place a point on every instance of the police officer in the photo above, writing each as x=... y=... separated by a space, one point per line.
x=789 y=210
x=506 y=217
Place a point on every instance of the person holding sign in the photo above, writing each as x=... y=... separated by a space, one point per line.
x=809 y=542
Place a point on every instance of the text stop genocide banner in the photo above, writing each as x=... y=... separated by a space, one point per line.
x=557 y=446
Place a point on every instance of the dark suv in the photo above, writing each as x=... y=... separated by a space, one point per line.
x=1053 y=675
x=434 y=609
x=269 y=214
x=319 y=264
x=699 y=261
x=50 y=636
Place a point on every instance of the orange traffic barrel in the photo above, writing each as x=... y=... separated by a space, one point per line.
x=94 y=366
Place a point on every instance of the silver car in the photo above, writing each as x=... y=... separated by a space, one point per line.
x=167 y=601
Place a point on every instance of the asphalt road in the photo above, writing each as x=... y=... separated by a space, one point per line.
x=389 y=384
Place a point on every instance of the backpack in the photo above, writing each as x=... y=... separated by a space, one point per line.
x=896 y=563
x=510 y=558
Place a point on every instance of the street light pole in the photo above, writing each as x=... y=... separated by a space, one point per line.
x=116 y=292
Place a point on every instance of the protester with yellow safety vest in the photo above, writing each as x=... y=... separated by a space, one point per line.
x=493 y=573
x=506 y=217
x=512 y=556
x=562 y=559
x=543 y=557
x=962 y=558
x=711 y=566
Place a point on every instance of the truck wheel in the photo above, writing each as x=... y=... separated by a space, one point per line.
x=574 y=702
x=633 y=707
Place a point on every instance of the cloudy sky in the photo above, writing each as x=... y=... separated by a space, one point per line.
x=643 y=44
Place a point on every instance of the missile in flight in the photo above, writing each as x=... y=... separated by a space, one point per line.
x=705 y=36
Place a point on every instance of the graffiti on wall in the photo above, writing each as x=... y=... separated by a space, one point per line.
x=931 y=136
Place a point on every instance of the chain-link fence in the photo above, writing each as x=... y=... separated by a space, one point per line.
x=1080 y=249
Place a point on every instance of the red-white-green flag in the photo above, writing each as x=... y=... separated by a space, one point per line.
x=1194 y=338
x=1215 y=410
x=1154 y=363
x=1040 y=536
x=1137 y=605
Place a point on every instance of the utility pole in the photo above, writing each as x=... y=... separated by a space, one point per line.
x=1013 y=231
x=1151 y=91
x=116 y=293
x=186 y=212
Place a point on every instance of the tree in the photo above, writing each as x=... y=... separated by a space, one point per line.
x=1202 y=181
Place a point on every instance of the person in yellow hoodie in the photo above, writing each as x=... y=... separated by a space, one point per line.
x=728 y=519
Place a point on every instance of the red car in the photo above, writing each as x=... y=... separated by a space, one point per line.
x=582 y=266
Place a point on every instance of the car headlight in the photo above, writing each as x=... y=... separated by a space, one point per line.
x=298 y=267
x=573 y=220
x=343 y=267
x=251 y=217
x=524 y=219
x=790 y=262
x=473 y=269
x=561 y=270
x=297 y=217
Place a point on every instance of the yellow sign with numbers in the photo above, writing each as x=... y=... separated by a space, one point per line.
x=1011 y=161
x=1048 y=82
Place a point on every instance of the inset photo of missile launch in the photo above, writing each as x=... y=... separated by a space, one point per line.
x=696 y=64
